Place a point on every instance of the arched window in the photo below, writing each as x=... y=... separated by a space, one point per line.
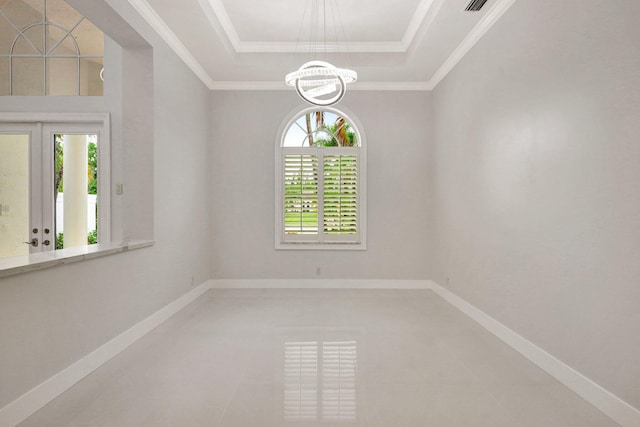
x=321 y=182
x=48 y=48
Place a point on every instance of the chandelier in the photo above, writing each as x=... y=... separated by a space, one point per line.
x=319 y=82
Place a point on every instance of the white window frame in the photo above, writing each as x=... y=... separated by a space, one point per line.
x=321 y=241
x=97 y=123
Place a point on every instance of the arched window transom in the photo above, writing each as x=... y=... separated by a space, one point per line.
x=48 y=48
x=321 y=182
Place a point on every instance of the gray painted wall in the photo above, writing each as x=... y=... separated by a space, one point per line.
x=519 y=192
x=52 y=318
x=397 y=126
x=536 y=183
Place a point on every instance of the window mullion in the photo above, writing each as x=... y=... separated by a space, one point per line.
x=37 y=175
x=320 y=195
x=47 y=190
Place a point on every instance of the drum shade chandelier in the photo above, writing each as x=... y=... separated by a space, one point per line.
x=319 y=82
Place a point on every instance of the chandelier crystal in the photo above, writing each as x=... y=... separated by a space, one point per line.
x=320 y=83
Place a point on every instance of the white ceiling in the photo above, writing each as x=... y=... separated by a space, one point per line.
x=252 y=44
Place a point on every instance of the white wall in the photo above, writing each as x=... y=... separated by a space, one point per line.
x=536 y=182
x=398 y=130
x=50 y=319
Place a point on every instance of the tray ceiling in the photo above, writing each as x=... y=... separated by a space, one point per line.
x=252 y=44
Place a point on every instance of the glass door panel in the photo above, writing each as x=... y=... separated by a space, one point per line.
x=14 y=194
x=49 y=188
x=74 y=187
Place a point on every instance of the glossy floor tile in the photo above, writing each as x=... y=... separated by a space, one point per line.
x=244 y=358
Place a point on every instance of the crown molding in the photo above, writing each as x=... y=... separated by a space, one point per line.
x=154 y=20
x=390 y=86
x=163 y=30
x=420 y=17
x=330 y=47
x=250 y=85
x=481 y=28
x=358 y=86
x=217 y=13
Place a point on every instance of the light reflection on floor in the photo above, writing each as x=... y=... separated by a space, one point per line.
x=320 y=381
x=311 y=358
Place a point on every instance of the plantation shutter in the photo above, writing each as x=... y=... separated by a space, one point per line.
x=320 y=195
x=300 y=194
x=340 y=194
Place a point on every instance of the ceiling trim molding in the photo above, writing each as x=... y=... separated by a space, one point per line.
x=390 y=86
x=417 y=20
x=293 y=47
x=481 y=28
x=358 y=86
x=250 y=85
x=220 y=14
x=434 y=10
x=163 y=30
x=154 y=20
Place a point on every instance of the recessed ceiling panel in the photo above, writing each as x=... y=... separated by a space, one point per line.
x=248 y=44
x=292 y=20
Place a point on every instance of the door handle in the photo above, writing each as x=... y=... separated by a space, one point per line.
x=33 y=242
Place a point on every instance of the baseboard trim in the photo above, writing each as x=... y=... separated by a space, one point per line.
x=33 y=400
x=23 y=407
x=318 y=284
x=611 y=405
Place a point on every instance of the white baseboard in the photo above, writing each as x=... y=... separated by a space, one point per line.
x=21 y=408
x=33 y=400
x=36 y=398
x=611 y=405
x=318 y=284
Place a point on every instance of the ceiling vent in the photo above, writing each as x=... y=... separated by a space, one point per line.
x=475 y=5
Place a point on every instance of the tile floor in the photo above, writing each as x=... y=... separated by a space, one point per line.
x=294 y=358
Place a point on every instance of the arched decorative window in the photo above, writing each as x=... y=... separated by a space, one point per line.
x=48 y=48
x=321 y=182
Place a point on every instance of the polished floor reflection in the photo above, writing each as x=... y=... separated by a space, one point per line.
x=320 y=381
x=264 y=358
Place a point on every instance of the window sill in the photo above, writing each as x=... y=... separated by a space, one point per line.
x=301 y=246
x=34 y=262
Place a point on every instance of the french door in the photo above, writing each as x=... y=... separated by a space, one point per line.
x=49 y=187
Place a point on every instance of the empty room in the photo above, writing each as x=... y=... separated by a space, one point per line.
x=234 y=213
